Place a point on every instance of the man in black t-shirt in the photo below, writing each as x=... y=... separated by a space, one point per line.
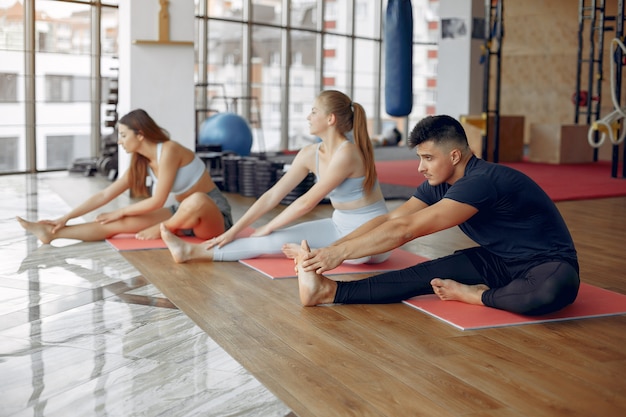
x=525 y=261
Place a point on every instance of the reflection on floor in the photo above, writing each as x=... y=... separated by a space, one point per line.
x=83 y=334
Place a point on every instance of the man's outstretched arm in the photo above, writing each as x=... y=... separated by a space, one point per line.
x=410 y=206
x=390 y=234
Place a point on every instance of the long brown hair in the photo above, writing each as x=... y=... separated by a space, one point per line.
x=351 y=116
x=140 y=122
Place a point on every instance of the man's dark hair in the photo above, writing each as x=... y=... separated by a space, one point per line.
x=442 y=129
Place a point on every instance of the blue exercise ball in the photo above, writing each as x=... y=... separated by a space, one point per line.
x=229 y=130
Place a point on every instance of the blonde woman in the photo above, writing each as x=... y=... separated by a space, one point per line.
x=345 y=173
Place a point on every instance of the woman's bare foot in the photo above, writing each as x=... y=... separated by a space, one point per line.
x=42 y=231
x=314 y=288
x=182 y=251
x=291 y=250
x=448 y=289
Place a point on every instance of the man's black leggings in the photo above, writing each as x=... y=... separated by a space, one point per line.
x=530 y=287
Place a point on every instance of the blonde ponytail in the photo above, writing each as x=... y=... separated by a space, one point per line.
x=351 y=117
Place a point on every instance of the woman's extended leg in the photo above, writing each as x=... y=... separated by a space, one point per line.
x=94 y=231
x=199 y=213
x=318 y=233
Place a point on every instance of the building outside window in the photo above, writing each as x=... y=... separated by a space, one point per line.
x=330 y=44
x=8 y=87
x=63 y=61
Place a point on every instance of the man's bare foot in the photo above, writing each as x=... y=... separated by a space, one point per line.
x=183 y=251
x=151 y=233
x=314 y=288
x=448 y=289
x=42 y=231
x=291 y=250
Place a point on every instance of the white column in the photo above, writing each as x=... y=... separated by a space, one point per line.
x=157 y=74
x=459 y=71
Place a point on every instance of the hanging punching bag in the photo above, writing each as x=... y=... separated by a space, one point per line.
x=399 y=58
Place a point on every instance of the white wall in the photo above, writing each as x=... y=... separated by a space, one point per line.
x=157 y=77
x=460 y=73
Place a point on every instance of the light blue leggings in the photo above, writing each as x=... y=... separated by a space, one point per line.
x=318 y=233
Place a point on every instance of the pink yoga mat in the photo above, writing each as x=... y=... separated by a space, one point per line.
x=127 y=241
x=282 y=267
x=591 y=302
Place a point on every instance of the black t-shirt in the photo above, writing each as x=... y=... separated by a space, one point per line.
x=516 y=219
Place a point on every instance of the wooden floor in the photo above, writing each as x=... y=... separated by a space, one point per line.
x=392 y=360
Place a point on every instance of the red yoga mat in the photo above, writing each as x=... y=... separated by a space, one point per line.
x=282 y=267
x=591 y=302
x=127 y=241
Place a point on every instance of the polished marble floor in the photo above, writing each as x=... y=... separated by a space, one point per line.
x=82 y=333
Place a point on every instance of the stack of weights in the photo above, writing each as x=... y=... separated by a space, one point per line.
x=266 y=175
x=300 y=189
x=247 y=173
x=230 y=165
x=251 y=177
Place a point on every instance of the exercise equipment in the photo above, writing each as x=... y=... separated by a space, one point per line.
x=230 y=164
x=582 y=98
x=107 y=163
x=592 y=18
x=212 y=99
x=492 y=50
x=399 y=58
x=610 y=125
x=299 y=190
x=228 y=130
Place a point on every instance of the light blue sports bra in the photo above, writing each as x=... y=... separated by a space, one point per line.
x=186 y=176
x=350 y=189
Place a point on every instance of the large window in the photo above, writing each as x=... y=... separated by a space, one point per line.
x=57 y=76
x=62 y=81
x=8 y=88
x=366 y=77
x=12 y=108
x=303 y=87
x=8 y=156
x=331 y=44
x=264 y=59
x=59 y=153
x=66 y=88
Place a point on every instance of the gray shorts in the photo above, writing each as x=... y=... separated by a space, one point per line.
x=222 y=204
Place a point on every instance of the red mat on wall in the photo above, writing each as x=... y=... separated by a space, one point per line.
x=560 y=182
